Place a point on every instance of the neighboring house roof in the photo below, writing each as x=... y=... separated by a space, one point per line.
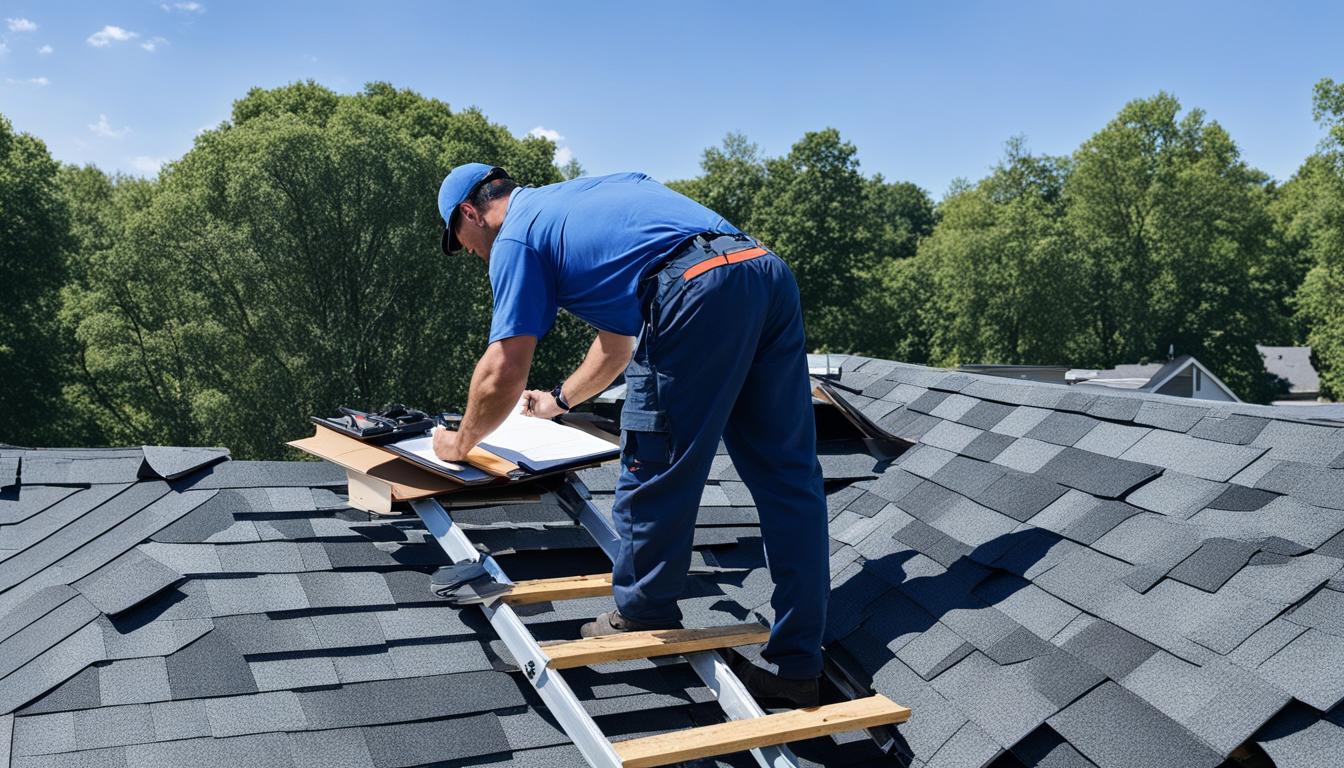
x=1292 y=364
x=1154 y=377
x=1070 y=577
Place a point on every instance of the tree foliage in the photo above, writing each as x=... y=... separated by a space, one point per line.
x=34 y=241
x=1313 y=219
x=287 y=264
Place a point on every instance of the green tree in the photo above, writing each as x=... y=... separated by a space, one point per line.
x=1006 y=281
x=732 y=179
x=1174 y=226
x=1314 y=220
x=34 y=241
x=288 y=264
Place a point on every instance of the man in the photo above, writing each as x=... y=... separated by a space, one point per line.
x=720 y=353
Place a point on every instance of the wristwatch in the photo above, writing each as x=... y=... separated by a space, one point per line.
x=559 y=396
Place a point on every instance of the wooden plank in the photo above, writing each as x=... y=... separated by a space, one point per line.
x=739 y=735
x=658 y=642
x=566 y=588
x=407 y=481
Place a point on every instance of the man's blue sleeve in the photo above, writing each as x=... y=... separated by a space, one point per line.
x=525 y=292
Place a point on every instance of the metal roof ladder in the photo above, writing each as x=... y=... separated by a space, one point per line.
x=748 y=726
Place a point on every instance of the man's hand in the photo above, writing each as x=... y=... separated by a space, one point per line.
x=540 y=404
x=445 y=444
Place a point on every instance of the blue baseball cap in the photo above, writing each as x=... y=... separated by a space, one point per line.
x=456 y=188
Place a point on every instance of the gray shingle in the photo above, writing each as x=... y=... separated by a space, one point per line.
x=259 y=713
x=1216 y=561
x=1235 y=428
x=1299 y=736
x=1314 y=485
x=1099 y=520
x=1324 y=610
x=998 y=699
x=267 y=750
x=934 y=650
x=1115 y=728
x=950 y=436
x=407 y=744
x=32 y=500
x=113 y=726
x=1020 y=496
x=1175 y=494
x=1193 y=456
x=1110 y=439
x=171 y=463
x=336 y=748
x=1224 y=630
x=1062 y=428
x=50 y=468
x=35 y=639
x=1110 y=648
x=1061 y=677
x=987 y=445
x=1286 y=583
x=1311 y=668
x=126 y=581
x=1044 y=748
x=1026 y=455
x=1168 y=415
x=1098 y=475
x=1298 y=442
x=1027 y=604
x=78 y=692
x=1265 y=642
x=985 y=415
x=926 y=402
x=1021 y=421
x=134 y=681
x=932 y=542
x=954 y=407
x=211 y=666
x=1114 y=407
x=1239 y=498
x=967 y=476
x=293 y=671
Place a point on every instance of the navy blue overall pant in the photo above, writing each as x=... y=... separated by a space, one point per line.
x=722 y=355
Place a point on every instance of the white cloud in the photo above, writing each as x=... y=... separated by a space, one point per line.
x=184 y=7
x=45 y=50
x=110 y=34
x=153 y=43
x=37 y=81
x=146 y=165
x=563 y=154
x=3 y=48
x=104 y=128
x=546 y=133
x=21 y=25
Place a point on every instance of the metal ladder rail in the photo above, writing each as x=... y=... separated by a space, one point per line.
x=594 y=745
x=712 y=668
x=575 y=496
x=554 y=691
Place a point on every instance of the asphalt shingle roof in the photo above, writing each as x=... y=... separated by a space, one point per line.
x=1068 y=578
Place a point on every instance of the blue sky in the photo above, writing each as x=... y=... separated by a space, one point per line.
x=927 y=92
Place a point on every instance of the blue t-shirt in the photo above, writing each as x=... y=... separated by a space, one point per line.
x=581 y=245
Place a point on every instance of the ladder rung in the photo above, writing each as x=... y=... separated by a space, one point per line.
x=565 y=588
x=657 y=642
x=738 y=735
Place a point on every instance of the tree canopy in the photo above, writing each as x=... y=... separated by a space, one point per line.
x=288 y=263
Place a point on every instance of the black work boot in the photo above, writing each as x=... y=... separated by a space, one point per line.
x=612 y=623
x=774 y=692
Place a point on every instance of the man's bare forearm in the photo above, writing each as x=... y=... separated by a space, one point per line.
x=606 y=358
x=496 y=385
